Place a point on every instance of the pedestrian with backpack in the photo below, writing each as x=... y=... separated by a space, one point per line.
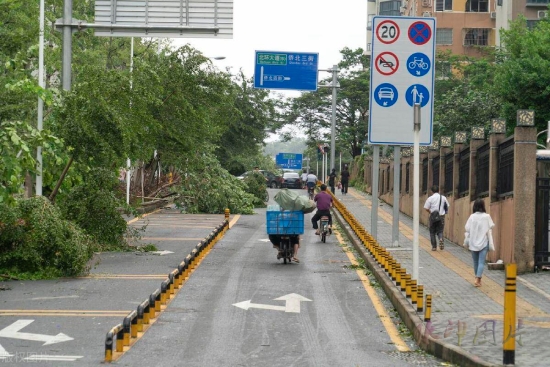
x=437 y=206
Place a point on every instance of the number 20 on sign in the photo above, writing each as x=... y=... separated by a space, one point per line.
x=387 y=32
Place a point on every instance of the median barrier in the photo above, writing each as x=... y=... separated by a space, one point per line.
x=148 y=311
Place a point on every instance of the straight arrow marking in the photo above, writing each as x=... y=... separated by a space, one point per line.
x=12 y=331
x=292 y=304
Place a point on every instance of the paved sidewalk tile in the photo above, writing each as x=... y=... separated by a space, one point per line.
x=463 y=315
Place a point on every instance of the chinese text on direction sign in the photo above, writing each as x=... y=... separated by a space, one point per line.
x=289 y=160
x=286 y=70
x=402 y=74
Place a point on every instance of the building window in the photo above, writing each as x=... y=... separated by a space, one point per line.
x=476 y=37
x=444 y=36
x=531 y=24
x=477 y=6
x=390 y=8
x=442 y=5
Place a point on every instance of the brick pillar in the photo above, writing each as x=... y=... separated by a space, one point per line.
x=525 y=170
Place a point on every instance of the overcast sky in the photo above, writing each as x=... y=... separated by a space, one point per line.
x=320 y=26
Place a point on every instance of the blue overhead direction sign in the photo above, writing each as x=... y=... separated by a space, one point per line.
x=402 y=74
x=286 y=70
x=289 y=160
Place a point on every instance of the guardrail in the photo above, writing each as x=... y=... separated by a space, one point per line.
x=121 y=337
x=413 y=292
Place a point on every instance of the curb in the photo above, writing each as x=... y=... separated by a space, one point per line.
x=123 y=336
x=386 y=270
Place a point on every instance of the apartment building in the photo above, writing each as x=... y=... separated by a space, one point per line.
x=465 y=27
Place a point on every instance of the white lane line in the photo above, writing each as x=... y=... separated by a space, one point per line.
x=45 y=357
x=50 y=298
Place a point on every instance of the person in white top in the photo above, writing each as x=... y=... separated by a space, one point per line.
x=479 y=237
x=304 y=178
x=437 y=202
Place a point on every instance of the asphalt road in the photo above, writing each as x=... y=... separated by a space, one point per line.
x=336 y=326
x=240 y=307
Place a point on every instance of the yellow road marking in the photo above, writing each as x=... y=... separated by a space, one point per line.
x=234 y=220
x=378 y=306
x=143 y=216
x=177 y=226
x=64 y=313
x=491 y=288
x=172 y=239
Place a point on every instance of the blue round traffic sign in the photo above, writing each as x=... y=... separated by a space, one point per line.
x=420 y=33
x=418 y=64
x=417 y=93
x=385 y=95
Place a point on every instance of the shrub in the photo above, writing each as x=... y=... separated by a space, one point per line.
x=256 y=185
x=208 y=188
x=93 y=206
x=36 y=242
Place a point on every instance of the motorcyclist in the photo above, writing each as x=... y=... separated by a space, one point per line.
x=294 y=240
x=311 y=181
x=324 y=203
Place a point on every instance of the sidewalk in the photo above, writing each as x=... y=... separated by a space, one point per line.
x=448 y=276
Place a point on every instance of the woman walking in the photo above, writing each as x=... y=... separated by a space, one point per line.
x=479 y=237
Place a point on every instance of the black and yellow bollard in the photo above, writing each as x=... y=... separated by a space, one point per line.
x=420 y=298
x=226 y=213
x=164 y=290
x=398 y=272
x=509 y=337
x=404 y=277
x=408 y=284
x=114 y=334
x=414 y=293
x=428 y=312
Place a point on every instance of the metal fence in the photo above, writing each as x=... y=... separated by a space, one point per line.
x=464 y=172
x=435 y=170
x=505 y=173
x=449 y=173
x=482 y=171
x=425 y=175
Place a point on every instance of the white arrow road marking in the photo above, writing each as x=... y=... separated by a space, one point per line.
x=45 y=357
x=4 y=353
x=12 y=331
x=264 y=240
x=292 y=304
x=161 y=253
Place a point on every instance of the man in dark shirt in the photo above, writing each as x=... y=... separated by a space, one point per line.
x=324 y=203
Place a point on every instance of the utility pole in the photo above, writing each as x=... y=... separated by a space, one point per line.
x=334 y=85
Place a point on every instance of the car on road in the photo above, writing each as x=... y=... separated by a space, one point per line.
x=292 y=180
x=272 y=180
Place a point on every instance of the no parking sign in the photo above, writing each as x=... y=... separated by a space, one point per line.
x=402 y=74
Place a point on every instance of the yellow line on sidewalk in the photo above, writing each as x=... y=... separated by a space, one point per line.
x=172 y=239
x=124 y=276
x=378 y=306
x=491 y=288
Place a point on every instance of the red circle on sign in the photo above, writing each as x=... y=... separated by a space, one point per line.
x=419 y=33
x=386 y=63
x=389 y=29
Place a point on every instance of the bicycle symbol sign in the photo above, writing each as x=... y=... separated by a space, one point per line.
x=387 y=32
x=418 y=64
x=420 y=33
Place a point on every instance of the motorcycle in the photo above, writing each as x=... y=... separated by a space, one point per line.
x=324 y=230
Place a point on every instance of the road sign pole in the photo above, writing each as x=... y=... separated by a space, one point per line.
x=374 y=208
x=333 y=121
x=416 y=192
x=396 y=191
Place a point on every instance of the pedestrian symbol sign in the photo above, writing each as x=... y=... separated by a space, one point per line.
x=402 y=74
x=417 y=94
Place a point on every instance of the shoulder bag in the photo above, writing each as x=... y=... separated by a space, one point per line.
x=435 y=216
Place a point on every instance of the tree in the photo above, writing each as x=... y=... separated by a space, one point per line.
x=523 y=72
